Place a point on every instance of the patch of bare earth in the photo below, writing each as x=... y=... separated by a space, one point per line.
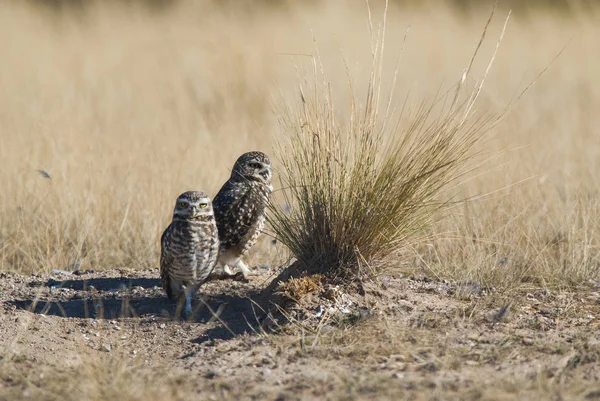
x=101 y=335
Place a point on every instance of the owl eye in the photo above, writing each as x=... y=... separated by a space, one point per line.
x=203 y=205
x=254 y=165
x=183 y=204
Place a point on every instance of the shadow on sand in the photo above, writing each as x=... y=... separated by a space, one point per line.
x=116 y=298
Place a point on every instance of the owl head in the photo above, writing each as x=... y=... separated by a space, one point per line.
x=253 y=166
x=193 y=205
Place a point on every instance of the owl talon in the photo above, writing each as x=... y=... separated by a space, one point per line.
x=223 y=274
x=219 y=274
x=245 y=270
x=239 y=276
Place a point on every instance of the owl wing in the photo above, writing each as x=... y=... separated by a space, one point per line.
x=209 y=253
x=166 y=259
x=229 y=198
x=233 y=223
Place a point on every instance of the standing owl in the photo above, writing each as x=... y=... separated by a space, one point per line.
x=240 y=208
x=189 y=247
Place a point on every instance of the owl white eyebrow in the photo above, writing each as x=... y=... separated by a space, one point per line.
x=201 y=200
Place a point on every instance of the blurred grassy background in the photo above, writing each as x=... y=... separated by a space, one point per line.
x=126 y=105
x=160 y=5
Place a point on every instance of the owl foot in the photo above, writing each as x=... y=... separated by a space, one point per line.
x=239 y=276
x=245 y=270
x=224 y=275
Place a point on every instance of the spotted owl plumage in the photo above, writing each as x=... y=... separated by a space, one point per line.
x=189 y=247
x=240 y=209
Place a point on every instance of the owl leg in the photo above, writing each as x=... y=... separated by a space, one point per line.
x=224 y=272
x=244 y=269
x=227 y=271
x=221 y=272
x=187 y=309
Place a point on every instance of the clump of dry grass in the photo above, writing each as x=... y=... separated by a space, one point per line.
x=296 y=288
x=362 y=185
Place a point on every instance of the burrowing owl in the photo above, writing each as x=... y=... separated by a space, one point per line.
x=189 y=247
x=240 y=208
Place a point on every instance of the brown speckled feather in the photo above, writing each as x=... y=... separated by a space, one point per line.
x=189 y=249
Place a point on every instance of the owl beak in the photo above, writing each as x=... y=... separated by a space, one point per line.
x=265 y=173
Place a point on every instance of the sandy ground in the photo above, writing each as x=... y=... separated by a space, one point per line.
x=405 y=338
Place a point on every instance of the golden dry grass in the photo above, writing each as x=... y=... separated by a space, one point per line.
x=126 y=109
x=296 y=288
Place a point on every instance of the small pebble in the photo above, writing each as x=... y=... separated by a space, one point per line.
x=364 y=314
x=527 y=341
x=57 y=271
